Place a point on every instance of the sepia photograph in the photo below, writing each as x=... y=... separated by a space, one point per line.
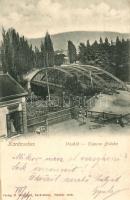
x=64 y=63
x=64 y=91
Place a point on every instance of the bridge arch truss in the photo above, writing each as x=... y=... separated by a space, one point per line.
x=89 y=76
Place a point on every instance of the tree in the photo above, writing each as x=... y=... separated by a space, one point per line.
x=123 y=59
x=59 y=59
x=113 y=57
x=17 y=54
x=95 y=51
x=38 y=58
x=82 y=53
x=72 y=52
x=106 y=55
x=89 y=52
x=106 y=43
x=101 y=41
x=48 y=51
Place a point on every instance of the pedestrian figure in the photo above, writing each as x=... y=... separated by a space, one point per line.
x=87 y=119
x=117 y=121
x=81 y=116
x=121 y=122
x=76 y=112
x=13 y=130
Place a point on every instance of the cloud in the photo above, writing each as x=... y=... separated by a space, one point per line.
x=34 y=17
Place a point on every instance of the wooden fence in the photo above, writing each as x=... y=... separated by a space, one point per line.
x=104 y=115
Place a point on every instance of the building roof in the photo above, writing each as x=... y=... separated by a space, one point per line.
x=10 y=89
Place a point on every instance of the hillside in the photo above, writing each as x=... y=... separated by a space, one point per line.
x=60 y=39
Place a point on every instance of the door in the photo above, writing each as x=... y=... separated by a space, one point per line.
x=14 y=123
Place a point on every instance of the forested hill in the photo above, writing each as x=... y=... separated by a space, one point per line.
x=60 y=40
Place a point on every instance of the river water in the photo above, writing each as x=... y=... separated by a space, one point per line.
x=116 y=103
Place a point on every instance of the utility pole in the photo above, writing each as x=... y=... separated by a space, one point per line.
x=48 y=88
x=91 y=79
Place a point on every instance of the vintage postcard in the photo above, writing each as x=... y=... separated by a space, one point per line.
x=64 y=100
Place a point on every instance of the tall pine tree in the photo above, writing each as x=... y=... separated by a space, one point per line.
x=47 y=51
x=72 y=52
x=17 y=54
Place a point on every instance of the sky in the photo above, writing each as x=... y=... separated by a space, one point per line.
x=33 y=18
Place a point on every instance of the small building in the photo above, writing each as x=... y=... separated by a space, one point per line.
x=66 y=60
x=13 y=118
